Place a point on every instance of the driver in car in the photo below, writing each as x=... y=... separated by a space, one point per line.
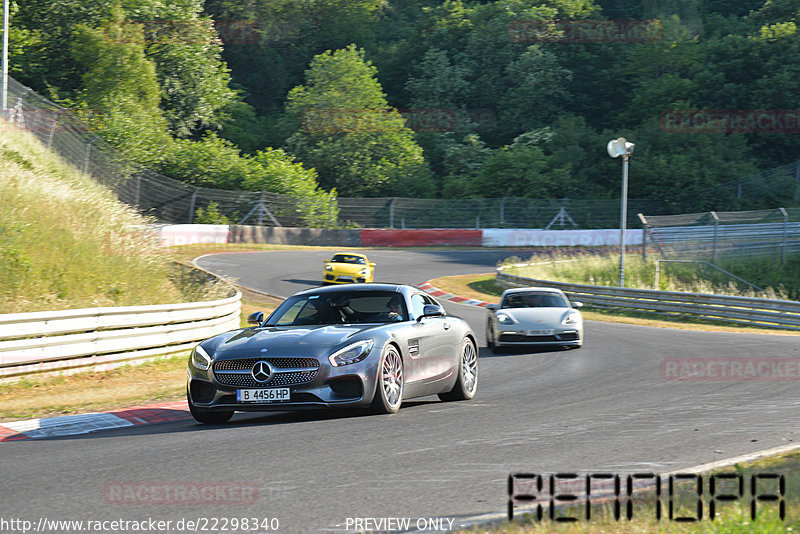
x=395 y=307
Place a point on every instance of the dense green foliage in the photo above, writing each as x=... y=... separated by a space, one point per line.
x=499 y=99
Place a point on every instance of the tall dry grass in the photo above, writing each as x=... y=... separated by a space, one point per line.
x=66 y=242
x=779 y=282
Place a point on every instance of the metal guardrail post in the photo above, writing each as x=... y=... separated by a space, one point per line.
x=191 y=205
x=391 y=212
x=716 y=231
x=797 y=183
x=53 y=129
x=785 y=235
x=86 y=157
x=655 y=278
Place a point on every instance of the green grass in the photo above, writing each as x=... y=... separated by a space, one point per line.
x=779 y=281
x=66 y=242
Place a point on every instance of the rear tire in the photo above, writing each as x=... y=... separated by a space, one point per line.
x=207 y=416
x=467 y=382
x=390 y=382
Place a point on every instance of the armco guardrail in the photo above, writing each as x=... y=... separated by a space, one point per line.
x=767 y=313
x=72 y=339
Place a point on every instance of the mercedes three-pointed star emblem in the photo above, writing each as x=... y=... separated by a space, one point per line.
x=262 y=371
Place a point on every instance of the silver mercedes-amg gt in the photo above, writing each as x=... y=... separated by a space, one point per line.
x=359 y=345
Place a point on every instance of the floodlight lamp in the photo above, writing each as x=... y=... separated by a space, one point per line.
x=629 y=148
x=619 y=147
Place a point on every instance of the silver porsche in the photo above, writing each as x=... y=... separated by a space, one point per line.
x=359 y=345
x=534 y=316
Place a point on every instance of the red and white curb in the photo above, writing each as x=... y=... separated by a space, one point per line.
x=438 y=293
x=70 y=425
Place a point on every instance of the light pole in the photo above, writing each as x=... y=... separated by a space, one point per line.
x=5 y=58
x=621 y=147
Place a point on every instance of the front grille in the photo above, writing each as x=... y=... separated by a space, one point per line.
x=277 y=363
x=223 y=371
x=278 y=379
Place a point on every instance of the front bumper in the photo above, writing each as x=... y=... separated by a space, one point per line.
x=343 y=279
x=326 y=387
x=564 y=337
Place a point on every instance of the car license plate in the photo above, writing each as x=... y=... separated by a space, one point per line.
x=540 y=332
x=263 y=395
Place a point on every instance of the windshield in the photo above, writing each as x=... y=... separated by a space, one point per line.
x=348 y=258
x=340 y=308
x=534 y=300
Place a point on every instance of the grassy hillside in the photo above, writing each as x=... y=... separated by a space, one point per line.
x=65 y=242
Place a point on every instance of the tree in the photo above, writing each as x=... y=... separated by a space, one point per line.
x=121 y=88
x=348 y=133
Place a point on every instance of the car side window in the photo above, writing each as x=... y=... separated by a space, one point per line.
x=417 y=305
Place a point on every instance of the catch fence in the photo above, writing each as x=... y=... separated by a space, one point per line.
x=711 y=235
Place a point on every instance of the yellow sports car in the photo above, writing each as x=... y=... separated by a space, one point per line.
x=345 y=268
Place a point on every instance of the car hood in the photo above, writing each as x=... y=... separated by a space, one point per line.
x=349 y=268
x=535 y=316
x=286 y=340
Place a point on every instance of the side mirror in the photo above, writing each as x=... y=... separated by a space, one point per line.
x=577 y=304
x=372 y=265
x=325 y=261
x=256 y=318
x=491 y=307
x=431 y=310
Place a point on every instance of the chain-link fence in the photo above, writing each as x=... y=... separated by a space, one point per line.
x=773 y=187
x=172 y=201
x=165 y=199
x=507 y=212
x=711 y=235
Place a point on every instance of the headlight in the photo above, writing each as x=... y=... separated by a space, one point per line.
x=329 y=267
x=200 y=358
x=363 y=272
x=351 y=354
x=571 y=318
x=503 y=318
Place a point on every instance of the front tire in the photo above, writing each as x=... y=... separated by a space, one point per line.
x=467 y=382
x=390 y=386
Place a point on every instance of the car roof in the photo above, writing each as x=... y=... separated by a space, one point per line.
x=349 y=288
x=349 y=254
x=529 y=289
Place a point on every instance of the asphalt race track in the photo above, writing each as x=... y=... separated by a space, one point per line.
x=604 y=408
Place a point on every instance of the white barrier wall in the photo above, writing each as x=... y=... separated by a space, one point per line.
x=557 y=238
x=191 y=234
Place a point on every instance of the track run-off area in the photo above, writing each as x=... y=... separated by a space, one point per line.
x=610 y=407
